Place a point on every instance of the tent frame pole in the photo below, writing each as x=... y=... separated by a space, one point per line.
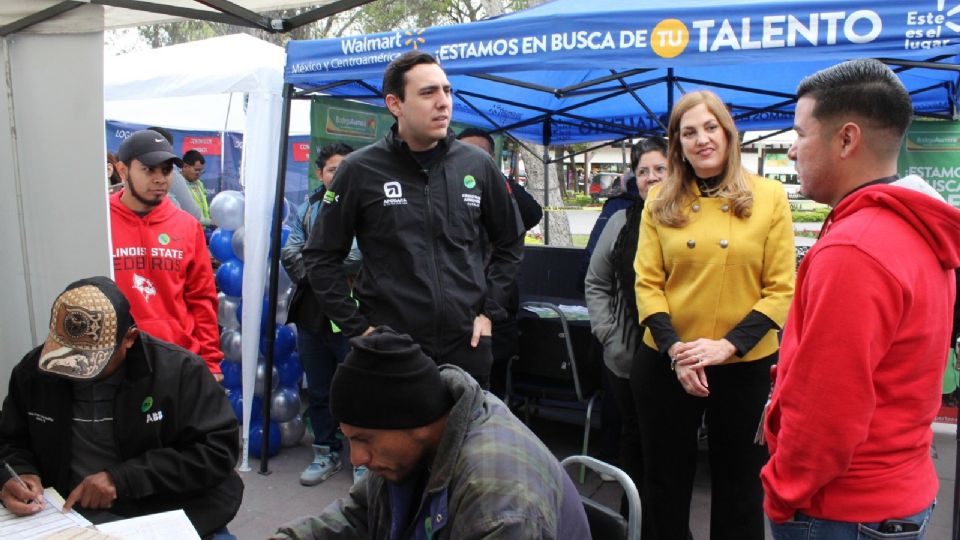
x=275 y=234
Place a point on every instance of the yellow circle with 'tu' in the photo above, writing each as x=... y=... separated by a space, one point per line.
x=669 y=38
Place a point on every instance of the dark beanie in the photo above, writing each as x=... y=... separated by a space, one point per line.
x=387 y=382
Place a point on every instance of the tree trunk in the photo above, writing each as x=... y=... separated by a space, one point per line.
x=561 y=174
x=559 y=228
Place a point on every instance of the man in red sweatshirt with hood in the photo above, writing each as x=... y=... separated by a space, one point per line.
x=160 y=257
x=866 y=339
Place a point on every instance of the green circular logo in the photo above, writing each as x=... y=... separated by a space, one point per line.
x=164 y=239
x=147 y=403
x=469 y=181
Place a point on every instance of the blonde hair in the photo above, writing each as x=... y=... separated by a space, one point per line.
x=677 y=191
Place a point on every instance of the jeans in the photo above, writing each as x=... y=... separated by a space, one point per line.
x=803 y=527
x=320 y=354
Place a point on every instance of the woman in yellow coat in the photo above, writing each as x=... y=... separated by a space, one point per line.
x=715 y=273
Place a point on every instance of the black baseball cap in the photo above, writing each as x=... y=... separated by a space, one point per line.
x=147 y=147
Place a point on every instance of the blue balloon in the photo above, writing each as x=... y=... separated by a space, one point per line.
x=285 y=342
x=256 y=439
x=236 y=401
x=232 y=377
x=230 y=277
x=290 y=371
x=284 y=236
x=221 y=244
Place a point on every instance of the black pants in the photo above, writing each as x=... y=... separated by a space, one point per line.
x=631 y=454
x=669 y=418
x=475 y=361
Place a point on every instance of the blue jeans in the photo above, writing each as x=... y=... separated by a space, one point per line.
x=320 y=353
x=803 y=527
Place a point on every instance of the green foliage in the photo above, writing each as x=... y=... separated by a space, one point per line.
x=810 y=216
x=578 y=201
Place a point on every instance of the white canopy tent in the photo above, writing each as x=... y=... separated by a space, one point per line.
x=53 y=204
x=253 y=69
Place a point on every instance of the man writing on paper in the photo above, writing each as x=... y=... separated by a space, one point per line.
x=124 y=423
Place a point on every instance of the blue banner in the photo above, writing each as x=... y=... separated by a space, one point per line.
x=223 y=153
x=557 y=60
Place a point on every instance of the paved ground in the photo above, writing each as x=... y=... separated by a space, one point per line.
x=278 y=497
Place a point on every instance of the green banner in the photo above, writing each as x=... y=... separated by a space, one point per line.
x=356 y=124
x=931 y=150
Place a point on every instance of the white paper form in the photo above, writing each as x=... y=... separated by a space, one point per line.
x=48 y=521
x=162 y=526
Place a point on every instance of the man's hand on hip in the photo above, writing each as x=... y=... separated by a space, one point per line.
x=482 y=326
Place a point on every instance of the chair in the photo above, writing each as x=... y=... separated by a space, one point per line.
x=550 y=368
x=605 y=523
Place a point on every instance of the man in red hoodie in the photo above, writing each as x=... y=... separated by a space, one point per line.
x=160 y=258
x=866 y=339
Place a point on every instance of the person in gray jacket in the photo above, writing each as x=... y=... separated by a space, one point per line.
x=446 y=460
x=611 y=301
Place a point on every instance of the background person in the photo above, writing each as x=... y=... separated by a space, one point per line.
x=715 y=271
x=321 y=344
x=858 y=383
x=193 y=166
x=505 y=332
x=160 y=257
x=121 y=423
x=446 y=460
x=612 y=302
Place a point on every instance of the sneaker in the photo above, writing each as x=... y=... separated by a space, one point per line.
x=325 y=464
x=358 y=473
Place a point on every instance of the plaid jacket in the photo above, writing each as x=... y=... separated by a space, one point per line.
x=491 y=478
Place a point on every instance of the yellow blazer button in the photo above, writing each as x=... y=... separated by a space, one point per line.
x=691 y=243
x=724 y=244
x=725 y=208
x=695 y=208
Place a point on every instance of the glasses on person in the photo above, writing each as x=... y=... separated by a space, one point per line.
x=644 y=172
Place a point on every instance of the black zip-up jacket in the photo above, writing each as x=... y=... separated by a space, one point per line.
x=174 y=429
x=420 y=234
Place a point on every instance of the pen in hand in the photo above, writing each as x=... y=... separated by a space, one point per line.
x=15 y=476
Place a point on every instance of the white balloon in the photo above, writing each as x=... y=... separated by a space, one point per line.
x=227 y=311
x=237 y=242
x=292 y=431
x=226 y=210
x=285 y=405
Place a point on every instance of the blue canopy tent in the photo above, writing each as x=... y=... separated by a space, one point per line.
x=570 y=71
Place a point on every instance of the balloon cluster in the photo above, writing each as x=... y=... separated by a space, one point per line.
x=227 y=244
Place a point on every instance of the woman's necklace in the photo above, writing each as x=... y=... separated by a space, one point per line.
x=708 y=186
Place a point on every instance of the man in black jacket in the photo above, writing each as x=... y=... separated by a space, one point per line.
x=123 y=423
x=417 y=202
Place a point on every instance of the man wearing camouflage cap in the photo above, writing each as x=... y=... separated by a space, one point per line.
x=120 y=422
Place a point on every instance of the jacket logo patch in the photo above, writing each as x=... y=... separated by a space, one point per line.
x=471 y=199
x=145 y=286
x=147 y=403
x=392 y=190
x=154 y=416
x=394 y=194
x=469 y=181
x=43 y=419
